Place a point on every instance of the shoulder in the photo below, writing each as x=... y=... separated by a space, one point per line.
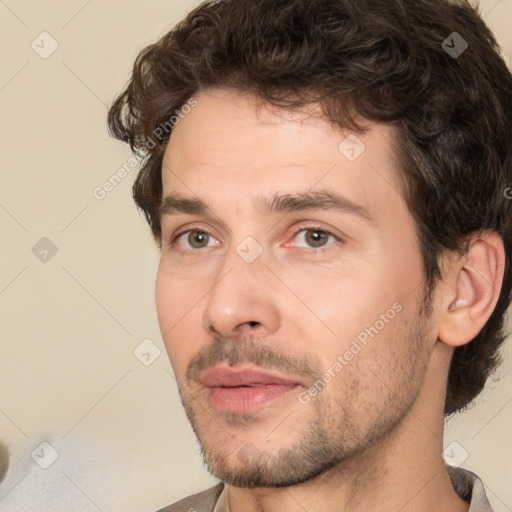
x=203 y=502
x=470 y=488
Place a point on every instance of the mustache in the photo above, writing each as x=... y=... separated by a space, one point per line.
x=246 y=349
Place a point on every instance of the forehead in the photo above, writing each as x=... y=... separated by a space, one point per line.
x=233 y=144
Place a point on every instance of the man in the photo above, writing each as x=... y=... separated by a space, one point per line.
x=327 y=182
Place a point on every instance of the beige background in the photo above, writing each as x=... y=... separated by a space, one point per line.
x=68 y=374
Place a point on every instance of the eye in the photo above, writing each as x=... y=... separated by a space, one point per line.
x=195 y=239
x=314 y=238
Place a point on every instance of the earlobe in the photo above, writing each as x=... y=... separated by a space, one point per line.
x=476 y=280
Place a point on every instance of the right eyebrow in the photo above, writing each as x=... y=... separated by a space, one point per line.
x=174 y=204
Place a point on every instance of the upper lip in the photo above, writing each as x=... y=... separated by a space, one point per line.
x=229 y=378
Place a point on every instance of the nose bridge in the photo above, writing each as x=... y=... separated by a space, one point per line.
x=238 y=297
x=243 y=266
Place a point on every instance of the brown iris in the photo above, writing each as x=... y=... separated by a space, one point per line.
x=198 y=239
x=316 y=238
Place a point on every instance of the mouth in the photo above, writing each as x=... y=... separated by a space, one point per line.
x=245 y=390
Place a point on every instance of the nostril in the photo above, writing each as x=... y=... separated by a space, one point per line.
x=253 y=324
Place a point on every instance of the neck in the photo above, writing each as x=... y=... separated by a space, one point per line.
x=403 y=470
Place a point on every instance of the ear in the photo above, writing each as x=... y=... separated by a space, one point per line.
x=471 y=289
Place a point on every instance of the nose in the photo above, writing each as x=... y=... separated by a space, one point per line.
x=242 y=300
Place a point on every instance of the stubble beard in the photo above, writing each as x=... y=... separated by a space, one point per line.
x=331 y=434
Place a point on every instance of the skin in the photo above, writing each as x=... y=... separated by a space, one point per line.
x=371 y=439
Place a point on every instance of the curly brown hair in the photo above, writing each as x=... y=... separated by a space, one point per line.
x=382 y=60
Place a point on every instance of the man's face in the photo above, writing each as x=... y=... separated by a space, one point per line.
x=288 y=291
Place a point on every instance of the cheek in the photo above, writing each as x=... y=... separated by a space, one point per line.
x=177 y=298
x=179 y=318
x=353 y=311
x=345 y=299
x=165 y=298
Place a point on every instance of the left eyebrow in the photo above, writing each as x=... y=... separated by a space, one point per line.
x=318 y=200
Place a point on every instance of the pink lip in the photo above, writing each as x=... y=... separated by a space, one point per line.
x=246 y=390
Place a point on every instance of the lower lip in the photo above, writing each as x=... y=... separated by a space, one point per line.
x=245 y=400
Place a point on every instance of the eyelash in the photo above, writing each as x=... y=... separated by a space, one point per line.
x=299 y=230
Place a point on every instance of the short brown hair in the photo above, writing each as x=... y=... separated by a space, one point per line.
x=384 y=60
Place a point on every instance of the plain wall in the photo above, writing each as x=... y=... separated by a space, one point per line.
x=68 y=374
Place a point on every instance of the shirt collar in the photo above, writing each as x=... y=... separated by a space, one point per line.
x=466 y=484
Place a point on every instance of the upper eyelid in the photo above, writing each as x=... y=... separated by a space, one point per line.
x=298 y=229
x=168 y=223
x=198 y=229
x=316 y=228
x=307 y=226
x=295 y=232
x=168 y=219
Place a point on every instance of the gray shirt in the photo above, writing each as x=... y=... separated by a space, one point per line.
x=467 y=485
